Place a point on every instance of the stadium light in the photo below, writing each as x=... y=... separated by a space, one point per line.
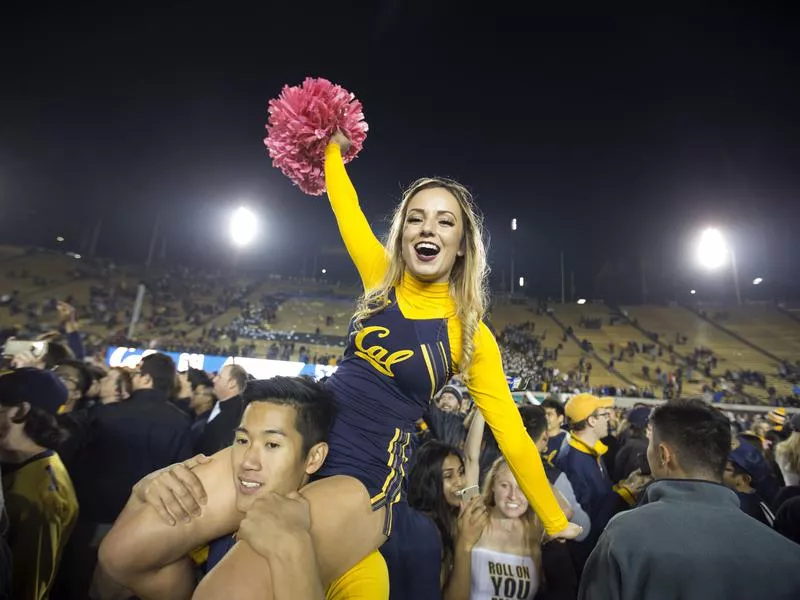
x=59 y=239
x=757 y=281
x=324 y=271
x=713 y=250
x=521 y=282
x=692 y=292
x=513 y=224
x=243 y=227
x=581 y=300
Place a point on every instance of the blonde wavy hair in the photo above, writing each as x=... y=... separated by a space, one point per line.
x=787 y=454
x=468 y=279
x=533 y=526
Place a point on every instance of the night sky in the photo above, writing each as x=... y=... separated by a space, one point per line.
x=610 y=137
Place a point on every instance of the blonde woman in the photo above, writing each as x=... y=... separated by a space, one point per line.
x=505 y=561
x=787 y=454
x=418 y=322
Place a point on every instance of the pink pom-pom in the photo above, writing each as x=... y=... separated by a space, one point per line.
x=302 y=121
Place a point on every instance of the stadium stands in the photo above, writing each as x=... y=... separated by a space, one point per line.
x=748 y=353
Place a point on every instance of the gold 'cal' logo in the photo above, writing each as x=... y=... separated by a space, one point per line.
x=377 y=355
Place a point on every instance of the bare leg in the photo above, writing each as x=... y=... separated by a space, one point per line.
x=344 y=529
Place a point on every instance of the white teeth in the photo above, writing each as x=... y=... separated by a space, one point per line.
x=427 y=245
x=249 y=484
x=512 y=505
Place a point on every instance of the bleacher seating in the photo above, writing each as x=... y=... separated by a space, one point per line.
x=734 y=355
x=252 y=313
x=619 y=334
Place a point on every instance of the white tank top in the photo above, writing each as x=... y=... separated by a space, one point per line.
x=501 y=576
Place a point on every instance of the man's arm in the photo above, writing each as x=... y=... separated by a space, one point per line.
x=579 y=516
x=601 y=579
x=276 y=529
x=149 y=556
x=295 y=575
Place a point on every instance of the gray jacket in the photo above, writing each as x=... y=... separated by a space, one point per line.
x=579 y=516
x=688 y=540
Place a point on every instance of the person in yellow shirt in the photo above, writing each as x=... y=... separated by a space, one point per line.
x=40 y=501
x=418 y=323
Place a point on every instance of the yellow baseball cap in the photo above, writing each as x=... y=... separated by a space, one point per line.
x=581 y=406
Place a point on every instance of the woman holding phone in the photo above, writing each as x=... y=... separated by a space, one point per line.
x=436 y=489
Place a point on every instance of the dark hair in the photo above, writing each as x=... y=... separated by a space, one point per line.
x=95 y=373
x=239 y=375
x=41 y=427
x=699 y=435
x=124 y=381
x=753 y=440
x=580 y=425
x=198 y=377
x=636 y=431
x=83 y=373
x=57 y=353
x=161 y=369
x=737 y=470
x=313 y=404
x=426 y=492
x=534 y=419
x=554 y=404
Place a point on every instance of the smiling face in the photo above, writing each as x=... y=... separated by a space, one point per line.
x=448 y=402
x=508 y=496
x=433 y=232
x=452 y=479
x=267 y=453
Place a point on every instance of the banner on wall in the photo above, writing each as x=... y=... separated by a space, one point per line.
x=260 y=368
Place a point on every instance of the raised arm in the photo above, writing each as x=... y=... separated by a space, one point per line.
x=488 y=387
x=364 y=248
x=472 y=449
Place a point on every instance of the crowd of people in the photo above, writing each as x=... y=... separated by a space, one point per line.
x=182 y=305
x=76 y=439
x=389 y=479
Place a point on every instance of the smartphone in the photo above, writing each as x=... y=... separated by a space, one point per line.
x=14 y=347
x=644 y=464
x=469 y=493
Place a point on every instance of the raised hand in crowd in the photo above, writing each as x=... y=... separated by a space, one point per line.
x=67 y=316
x=341 y=140
x=636 y=482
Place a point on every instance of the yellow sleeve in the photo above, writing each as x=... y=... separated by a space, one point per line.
x=364 y=248
x=37 y=552
x=489 y=390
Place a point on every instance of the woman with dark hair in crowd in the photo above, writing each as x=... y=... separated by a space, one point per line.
x=434 y=487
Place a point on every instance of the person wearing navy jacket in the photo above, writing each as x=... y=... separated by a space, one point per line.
x=582 y=461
